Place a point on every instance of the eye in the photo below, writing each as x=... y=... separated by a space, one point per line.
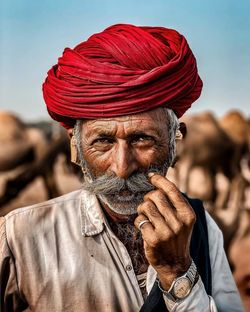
x=143 y=140
x=102 y=141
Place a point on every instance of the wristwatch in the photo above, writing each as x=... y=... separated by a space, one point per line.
x=182 y=285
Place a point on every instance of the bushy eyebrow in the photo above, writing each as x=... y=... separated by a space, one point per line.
x=132 y=135
x=140 y=133
x=156 y=134
x=100 y=131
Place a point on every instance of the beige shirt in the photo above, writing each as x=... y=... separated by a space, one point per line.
x=61 y=255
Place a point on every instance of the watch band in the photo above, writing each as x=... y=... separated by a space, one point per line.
x=190 y=278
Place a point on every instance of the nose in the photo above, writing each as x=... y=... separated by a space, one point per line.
x=124 y=162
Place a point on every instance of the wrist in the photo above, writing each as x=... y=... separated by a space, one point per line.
x=182 y=285
x=167 y=274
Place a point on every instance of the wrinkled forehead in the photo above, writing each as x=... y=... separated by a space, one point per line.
x=154 y=120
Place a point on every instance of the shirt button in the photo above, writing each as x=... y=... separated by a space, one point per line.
x=128 y=267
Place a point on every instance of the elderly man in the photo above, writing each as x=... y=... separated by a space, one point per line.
x=129 y=240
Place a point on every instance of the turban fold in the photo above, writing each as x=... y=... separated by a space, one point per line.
x=123 y=70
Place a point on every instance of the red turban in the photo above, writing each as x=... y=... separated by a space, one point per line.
x=123 y=70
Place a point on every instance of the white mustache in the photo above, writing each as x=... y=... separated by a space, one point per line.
x=109 y=184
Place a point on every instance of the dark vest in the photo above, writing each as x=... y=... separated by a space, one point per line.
x=199 y=250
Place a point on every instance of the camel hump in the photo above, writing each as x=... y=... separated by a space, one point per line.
x=13 y=136
x=11 y=127
x=236 y=126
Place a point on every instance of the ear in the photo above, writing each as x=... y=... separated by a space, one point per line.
x=180 y=135
x=183 y=129
x=70 y=132
x=73 y=147
x=181 y=132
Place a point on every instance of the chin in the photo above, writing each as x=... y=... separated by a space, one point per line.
x=122 y=206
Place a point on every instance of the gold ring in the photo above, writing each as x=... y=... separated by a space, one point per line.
x=143 y=222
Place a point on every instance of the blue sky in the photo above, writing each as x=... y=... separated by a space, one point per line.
x=33 y=35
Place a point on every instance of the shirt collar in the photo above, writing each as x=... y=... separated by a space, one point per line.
x=93 y=222
x=92 y=217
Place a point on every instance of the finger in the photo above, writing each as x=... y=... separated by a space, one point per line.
x=149 y=235
x=183 y=208
x=148 y=225
x=165 y=208
x=149 y=209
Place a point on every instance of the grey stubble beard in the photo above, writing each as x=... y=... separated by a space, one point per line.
x=125 y=205
x=122 y=196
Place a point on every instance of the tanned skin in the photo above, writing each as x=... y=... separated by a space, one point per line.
x=125 y=145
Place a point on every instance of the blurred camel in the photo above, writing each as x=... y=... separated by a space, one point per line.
x=238 y=129
x=15 y=147
x=239 y=257
x=207 y=147
x=28 y=152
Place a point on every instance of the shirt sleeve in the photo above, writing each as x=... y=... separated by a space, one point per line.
x=198 y=301
x=224 y=290
x=10 y=299
x=225 y=296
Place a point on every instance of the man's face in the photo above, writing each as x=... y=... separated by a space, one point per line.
x=125 y=147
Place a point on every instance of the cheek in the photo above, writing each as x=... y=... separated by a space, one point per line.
x=97 y=162
x=154 y=156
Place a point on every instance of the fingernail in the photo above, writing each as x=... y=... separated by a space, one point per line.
x=151 y=174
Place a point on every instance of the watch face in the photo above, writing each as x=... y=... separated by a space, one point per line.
x=182 y=287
